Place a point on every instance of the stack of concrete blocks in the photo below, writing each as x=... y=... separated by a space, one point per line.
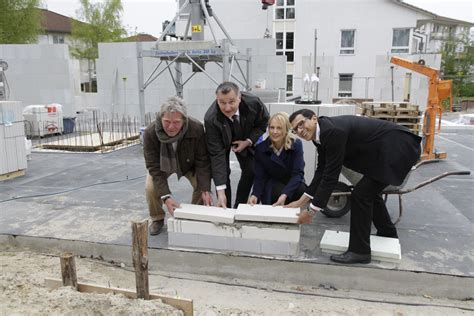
x=119 y=60
x=42 y=74
x=12 y=138
x=259 y=229
x=383 y=248
x=310 y=152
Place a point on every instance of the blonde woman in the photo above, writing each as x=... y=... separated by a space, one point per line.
x=279 y=165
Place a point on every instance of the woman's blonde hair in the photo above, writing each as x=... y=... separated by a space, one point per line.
x=283 y=120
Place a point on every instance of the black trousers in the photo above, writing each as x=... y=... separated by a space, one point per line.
x=278 y=187
x=245 y=182
x=367 y=206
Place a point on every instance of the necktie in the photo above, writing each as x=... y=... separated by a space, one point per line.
x=236 y=128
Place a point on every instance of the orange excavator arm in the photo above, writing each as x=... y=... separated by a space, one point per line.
x=418 y=67
x=438 y=91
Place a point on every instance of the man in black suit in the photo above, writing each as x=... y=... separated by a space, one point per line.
x=383 y=152
x=234 y=121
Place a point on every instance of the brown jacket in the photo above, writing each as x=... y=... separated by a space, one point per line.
x=191 y=152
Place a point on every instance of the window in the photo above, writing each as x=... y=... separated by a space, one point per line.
x=289 y=40
x=285 y=45
x=400 y=40
x=285 y=10
x=347 y=42
x=289 y=85
x=345 y=85
x=279 y=40
x=58 y=39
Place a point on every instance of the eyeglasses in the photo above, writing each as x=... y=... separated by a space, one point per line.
x=299 y=126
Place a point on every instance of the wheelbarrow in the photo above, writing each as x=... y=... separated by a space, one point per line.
x=339 y=203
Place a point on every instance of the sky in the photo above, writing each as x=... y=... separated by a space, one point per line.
x=146 y=16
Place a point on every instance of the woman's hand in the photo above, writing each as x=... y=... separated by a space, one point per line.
x=252 y=200
x=303 y=200
x=281 y=200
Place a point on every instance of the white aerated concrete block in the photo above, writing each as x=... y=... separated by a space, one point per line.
x=266 y=213
x=205 y=213
x=383 y=248
x=229 y=244
x=275 y=232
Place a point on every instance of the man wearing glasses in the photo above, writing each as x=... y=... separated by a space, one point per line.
x=381 y=151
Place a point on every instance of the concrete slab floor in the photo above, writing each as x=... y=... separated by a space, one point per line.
x=102 y=193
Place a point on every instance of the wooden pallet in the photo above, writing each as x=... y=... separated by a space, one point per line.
x=12 y=175
x=390 y=107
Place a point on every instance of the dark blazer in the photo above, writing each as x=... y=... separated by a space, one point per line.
x=191 y=152
x=381 y=150
x=287 y=168
x=253 y=118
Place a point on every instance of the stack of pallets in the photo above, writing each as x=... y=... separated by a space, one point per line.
x=401 y=113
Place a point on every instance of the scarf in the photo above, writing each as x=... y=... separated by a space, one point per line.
x=168 y=158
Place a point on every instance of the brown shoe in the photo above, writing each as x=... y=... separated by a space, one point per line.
x=156 y=226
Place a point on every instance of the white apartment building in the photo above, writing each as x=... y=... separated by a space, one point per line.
x=355 y=40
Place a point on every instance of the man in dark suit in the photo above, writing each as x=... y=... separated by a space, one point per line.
x=234 y=121
x=383 y=152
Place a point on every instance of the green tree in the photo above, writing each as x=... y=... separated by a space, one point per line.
x=99 y=23
x=457 y=62
x=19 y=21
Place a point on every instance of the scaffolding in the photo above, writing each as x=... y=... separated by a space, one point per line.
x=193 y=50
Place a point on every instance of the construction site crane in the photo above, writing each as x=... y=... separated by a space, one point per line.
x=438 y=91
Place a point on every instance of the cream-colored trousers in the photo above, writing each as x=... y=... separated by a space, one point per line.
x=155 y=204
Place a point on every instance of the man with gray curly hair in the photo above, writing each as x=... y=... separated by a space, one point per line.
x=174 y=143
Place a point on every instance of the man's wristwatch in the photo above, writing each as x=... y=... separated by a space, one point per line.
x=310 y=211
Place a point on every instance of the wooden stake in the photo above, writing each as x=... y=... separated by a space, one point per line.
x=68 y=270
x=140 y=257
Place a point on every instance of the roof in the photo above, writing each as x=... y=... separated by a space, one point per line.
x=142 y=37
x=53 y=22
x=433 y=16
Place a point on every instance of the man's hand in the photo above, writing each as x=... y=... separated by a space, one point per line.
x=239 y=145
x=252 y=200
x=303 y=200
x=207 y=198
x=221 y=199
x=281 y=200
x=305 y=217
x=171 y=205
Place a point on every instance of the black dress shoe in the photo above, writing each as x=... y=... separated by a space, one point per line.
x=380 y=234
x=156 y=226
x=351 y=257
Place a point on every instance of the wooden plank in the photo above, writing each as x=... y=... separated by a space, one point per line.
x=140 y=257
x=185 y=305
x=12 y=175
